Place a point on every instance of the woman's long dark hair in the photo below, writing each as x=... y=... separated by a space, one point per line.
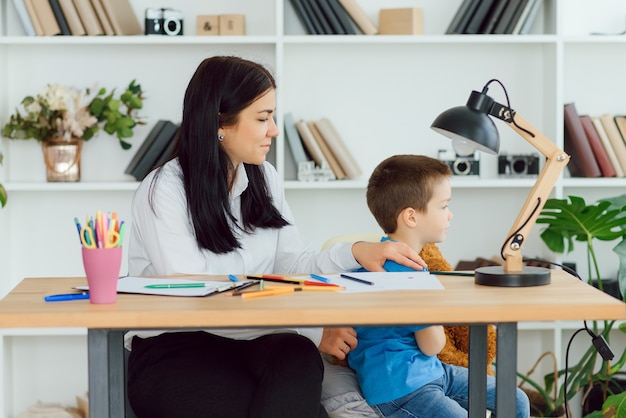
x=219 y=90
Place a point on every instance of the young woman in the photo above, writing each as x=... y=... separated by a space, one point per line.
x=219 y=208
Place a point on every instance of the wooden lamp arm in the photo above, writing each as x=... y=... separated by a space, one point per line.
x=556 y=160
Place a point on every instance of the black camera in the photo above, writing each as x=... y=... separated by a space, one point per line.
x=460 y=166
x=518 y=165
x=163 y=22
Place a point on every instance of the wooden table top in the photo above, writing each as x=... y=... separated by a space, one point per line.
x=462 y=302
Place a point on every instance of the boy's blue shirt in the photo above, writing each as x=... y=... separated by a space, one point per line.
x=394 y=366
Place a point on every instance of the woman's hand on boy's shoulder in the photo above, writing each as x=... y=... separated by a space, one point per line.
x=372 y=255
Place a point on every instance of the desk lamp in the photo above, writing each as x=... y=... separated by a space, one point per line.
x=470 y=129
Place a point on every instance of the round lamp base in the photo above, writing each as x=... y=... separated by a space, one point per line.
x=496 y=276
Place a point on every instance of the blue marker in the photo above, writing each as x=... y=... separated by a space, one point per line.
x=320 y=278
x=233 y=278
x=64 y=297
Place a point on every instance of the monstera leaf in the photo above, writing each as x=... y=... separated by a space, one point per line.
x=573 y=220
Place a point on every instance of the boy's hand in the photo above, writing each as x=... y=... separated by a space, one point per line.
x=338 y=342
x=372 y=255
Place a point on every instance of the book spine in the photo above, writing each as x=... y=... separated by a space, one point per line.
x=22 y=12
x=332 y=20
x=46 y=18
x=615 y=137
x=72 y=18
x=58 y=14
x=122 y=17
x=467 y=17
x=88 y=17
x=102 y=18
x=301 y=12
x=310 y=144
x=456 y=20
x=494 y=15
x=597 y=123
x=479 y=16
x=143 y=148
x=339 y=148
x=344 y=18
x=317 y=11
x=532 y=4
x=359 y=17
x=295 y=142
x=330 y=158
x=583 y=163
x=148 y=160
x=516 y=17
x=532 y=16
x=602 y=158
x=168 y=152
x=506 y=17
x=30 y=8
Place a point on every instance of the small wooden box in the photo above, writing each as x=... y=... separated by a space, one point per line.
x=208 y=25
x=231 y=25
x=408 y=21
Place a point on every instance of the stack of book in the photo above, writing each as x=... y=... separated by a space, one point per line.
x=156 y=149
x=514 y=17
x=333 y=17
x=318 y=141
x=596 y=144
x=77 y=17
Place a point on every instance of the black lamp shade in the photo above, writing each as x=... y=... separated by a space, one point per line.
x=464 y=124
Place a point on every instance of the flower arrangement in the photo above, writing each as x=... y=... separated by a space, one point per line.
x=61 y=113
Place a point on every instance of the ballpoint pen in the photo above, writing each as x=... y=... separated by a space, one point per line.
x=356 y=279
x=178 y=285
x=67 y=296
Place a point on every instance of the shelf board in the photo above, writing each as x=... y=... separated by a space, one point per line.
x=120 y=186
x=40 y=332
x=419 y=39
x=136 y=40
x=594 y=182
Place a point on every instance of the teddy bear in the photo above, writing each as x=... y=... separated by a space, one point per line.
x=456 y=350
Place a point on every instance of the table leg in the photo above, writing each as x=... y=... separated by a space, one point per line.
x=478 y=371
x=106 y=373
x=506 y=368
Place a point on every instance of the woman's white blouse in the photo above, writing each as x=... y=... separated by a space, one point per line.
x=162 y=241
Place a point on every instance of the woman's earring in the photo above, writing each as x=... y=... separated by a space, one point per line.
x=220 y=138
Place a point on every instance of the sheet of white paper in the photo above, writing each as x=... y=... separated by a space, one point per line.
x=130 y=284
x=413 y=280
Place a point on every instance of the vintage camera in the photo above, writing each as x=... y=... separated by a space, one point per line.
x=526 y=165
x=460 y=166
x=163 y=22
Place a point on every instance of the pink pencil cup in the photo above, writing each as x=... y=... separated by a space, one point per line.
x=102 y=267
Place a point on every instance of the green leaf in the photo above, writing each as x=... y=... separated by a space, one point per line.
x=3 y=196
x=124 y=144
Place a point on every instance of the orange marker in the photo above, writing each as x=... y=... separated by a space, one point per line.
x=271 y=292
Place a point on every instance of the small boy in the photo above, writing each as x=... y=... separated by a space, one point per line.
x=397 y=367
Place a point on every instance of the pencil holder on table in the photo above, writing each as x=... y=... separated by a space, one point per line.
x=102 y=267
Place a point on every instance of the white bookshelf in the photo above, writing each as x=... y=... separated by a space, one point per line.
x=381 y=92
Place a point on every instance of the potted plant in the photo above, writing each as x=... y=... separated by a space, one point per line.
x=63 y=116
x=569 y=221
x=544 y=399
